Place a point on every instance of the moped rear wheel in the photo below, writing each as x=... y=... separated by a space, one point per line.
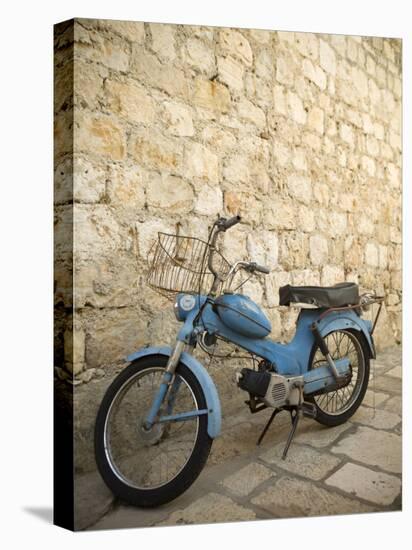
x=336 y=407
x=150 y=467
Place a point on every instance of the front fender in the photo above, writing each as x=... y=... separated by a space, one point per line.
x=214 y=417
x=341 y=320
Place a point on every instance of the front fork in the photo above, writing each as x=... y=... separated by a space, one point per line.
x=168 y=379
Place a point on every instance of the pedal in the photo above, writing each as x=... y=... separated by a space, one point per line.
x=308 y=409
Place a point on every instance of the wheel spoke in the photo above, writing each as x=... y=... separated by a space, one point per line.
x=342 y=344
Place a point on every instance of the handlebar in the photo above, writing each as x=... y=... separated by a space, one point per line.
x=256 y=267
x=223 y=224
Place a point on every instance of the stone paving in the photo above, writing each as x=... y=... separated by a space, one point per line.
x=352 y=468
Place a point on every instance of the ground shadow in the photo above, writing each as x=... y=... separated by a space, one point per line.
x=42 y=512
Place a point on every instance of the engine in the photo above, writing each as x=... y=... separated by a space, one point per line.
x=273 y=389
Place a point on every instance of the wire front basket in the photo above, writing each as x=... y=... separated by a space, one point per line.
x=180 y=264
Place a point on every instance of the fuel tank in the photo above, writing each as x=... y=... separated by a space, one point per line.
x=242 y=315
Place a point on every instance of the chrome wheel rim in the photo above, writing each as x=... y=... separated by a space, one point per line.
x=137 y=459
x=341 y=344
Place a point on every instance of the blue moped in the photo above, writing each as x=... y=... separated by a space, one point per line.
x=158 y=418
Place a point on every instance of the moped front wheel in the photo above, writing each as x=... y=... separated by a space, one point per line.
x=337 y=406
x=151 y=467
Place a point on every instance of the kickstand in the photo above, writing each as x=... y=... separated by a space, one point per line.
x=265 y=429
x=294 y=416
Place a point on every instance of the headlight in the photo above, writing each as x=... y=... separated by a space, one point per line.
x=183 y=304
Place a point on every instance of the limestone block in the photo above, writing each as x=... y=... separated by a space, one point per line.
x=163 y=40
x=279 y=214
x=153 y=150
x=63 y=181
x=200 y=56
x=327 y=57
x=261 y=36
x=306 y=217
x=370 y=65
x=338 y=41
x=372 y=255
x=89 y=180
x=99 y=134
x=112 y=52
x=219 y=139
x=209 y=201
x=331 y=275
x=236 y=44
x=169 y=193
x=383 y=256
x=314 y=73
x=166 y=77
x=263 y=247
x=103 y=345
x=316 y=120
x=273 y=282
x=279 y=99
x=88 y=81
x=368 y=165
x=238 y=203
x=318 y=249
x=178 y=119
x=201 y=163
x=295 y=108
x=130 y=101
x=294 y=250
x=133 y=31
x=307 y=44
x=352 y=50
x=74 y=349
x=281 y=154
x=300 y=188
x=230 y=72
x=251 y=113
x=304 y=277
x=147 y=233
x=372 y=146
x=347 y=135
x=211 y=95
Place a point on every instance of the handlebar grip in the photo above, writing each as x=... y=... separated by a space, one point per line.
x=231 y=222
x=262 y=269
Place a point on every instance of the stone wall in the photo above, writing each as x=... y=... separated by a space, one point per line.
x=169 y=125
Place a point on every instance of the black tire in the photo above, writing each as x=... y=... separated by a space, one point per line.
x=148 y=497
x=335 y=419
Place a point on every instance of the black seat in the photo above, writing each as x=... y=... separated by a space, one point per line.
x=342 y=294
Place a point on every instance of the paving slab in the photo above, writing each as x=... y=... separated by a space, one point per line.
x=365 y=483
x=211 y=508
x=316 y=435
x=93 y=499
x=246 y=480
x=388 y=384
x=302 y=460
x=394 y=404
x=290 y=497
x=376 y=418
x=372 y=399
x=373 y=447
x=396 y=372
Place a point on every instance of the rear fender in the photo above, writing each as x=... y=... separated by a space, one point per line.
x=214 y=417
x=344 y=320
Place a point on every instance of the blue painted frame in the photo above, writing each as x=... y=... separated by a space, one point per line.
x=291 y=359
